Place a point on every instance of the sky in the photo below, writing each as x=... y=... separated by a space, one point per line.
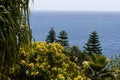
x=75 y=5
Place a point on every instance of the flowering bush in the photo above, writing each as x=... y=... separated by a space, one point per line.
x=46 y=62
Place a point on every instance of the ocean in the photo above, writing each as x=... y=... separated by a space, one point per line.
x=78 y=26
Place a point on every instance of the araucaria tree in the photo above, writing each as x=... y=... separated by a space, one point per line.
x=51 y=37
x=63 y=39
x=93 y=44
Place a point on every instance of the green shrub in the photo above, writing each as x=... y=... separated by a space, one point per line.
x=47 y=62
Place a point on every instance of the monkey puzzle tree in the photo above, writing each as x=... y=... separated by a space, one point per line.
x=14 y=31
x=93 y=44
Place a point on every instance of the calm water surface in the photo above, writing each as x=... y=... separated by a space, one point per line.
x=79 y=25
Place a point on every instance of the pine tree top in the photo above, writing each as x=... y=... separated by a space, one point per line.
x=51 y=37
x=63 y=39
x=93 y=44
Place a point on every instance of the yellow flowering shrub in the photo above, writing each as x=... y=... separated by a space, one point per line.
x=81 y=78
x=42 y=61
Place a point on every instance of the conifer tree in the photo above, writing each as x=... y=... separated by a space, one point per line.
x=63 y=39
x=51 y=37
x=93 y=44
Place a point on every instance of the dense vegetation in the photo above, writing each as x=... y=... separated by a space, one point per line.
x=46 y=62
x=54 y=59
x=14 y=32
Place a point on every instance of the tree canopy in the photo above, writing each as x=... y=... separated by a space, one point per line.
x=63 y=39
x=93 y=44
x=51 y=37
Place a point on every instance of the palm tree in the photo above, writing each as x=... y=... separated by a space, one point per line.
x=96 y=68
x=14 y=31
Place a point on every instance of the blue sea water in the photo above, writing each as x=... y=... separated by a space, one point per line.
x=78 y=26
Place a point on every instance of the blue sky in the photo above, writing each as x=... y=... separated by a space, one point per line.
x=75 y=5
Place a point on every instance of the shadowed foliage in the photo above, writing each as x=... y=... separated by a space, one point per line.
x=114 y=64
x=14 y=31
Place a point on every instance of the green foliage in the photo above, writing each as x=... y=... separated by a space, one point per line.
x=93 y=44
x=21 y=60
x=14 y=31
x=75 y=55
x=114 y=65
x=63 y=39
x=96 y=68
x=115 y=62
x=47 y=62
x=51 y=37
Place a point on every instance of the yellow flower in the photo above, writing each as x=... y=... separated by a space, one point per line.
x=44 y=66
x=65 y=65
x=34 y=73
x=37 y=64
x=22 y=62
x=79 y=78
x=31 y=65
x=27 y=72
x=54 y=69
x=60 y=76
